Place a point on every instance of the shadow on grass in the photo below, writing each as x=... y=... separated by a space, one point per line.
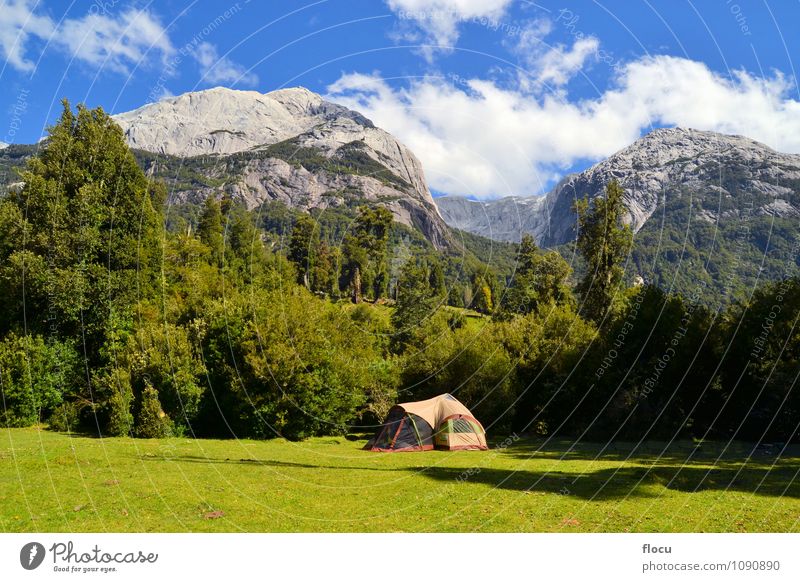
x=628 y=480
x=653 y=451
x=615 y=483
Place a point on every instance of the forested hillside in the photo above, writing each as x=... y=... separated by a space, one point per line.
x=123 y=316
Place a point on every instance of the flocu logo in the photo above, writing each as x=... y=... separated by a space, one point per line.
x=31 y=555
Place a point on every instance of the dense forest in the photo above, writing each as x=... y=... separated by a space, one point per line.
x=122 y=315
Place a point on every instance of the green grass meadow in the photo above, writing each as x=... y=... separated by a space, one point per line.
x=55 y=482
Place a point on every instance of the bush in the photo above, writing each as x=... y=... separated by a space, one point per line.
x=34 y=376
x=115 y=389
x=65 y=417
x=301 y=370
x=152 y=422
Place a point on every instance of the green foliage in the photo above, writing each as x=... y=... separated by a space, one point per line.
x=231 y=325
x=35 y=376
x=541 y=279
x=364 y=251
x=210 y=229
x=416 y=300
x=65 y=417
x=295 y=371
x=604 y=241
x=92 y=233
x=759 y=398
x=302 y=249
x=163 y=356
x=151 y=421
x=113 y=385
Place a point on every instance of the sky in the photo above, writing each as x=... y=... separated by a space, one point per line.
x=496 y=97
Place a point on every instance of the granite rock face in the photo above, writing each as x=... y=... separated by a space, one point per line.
x=650 y=170
x=289 y=145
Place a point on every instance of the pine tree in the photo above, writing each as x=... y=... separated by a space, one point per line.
x=210 y=229
x=93 y=225
x=604 y=241
x=301 y=249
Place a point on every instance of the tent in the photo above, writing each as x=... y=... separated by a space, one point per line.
x=441 y=422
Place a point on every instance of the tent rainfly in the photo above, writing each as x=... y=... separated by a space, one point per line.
x=441 y=422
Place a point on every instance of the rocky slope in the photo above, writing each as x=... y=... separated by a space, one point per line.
x=663 y=164
x=288 y=145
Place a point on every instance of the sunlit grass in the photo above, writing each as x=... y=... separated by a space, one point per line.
x=54 y=482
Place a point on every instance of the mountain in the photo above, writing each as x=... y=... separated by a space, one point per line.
x=288 y=145
x=707 y=208
x=662 y=162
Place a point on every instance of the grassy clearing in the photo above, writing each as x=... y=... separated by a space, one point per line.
x=53 y=482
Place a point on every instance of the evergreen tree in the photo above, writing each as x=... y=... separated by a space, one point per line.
x=301 y=249
x=416 y=300
x=540 y=279
x=604 y=241
x=210 y=229
x=93 y=228
x=365 y=250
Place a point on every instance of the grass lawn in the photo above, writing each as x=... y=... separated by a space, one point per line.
x=54 y=482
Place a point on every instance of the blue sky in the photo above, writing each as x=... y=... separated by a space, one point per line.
x=496 y=97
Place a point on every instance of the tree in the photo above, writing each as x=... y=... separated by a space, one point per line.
x=151 y=422
x=301 y=249
x=365 y=253
x=604 y=241
x=540 y=279
x=416 y=300
x=92 y=234
x=210 y=229
x=482 y=294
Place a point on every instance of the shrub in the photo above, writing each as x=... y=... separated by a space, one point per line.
x=65 y=417
x=34 y=376
x=152 y=422
x=114 y=387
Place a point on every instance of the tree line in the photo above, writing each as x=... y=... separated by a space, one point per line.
x=114 y=324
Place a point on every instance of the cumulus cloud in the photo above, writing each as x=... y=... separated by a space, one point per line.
x=17 y=25
x=113 y=42
x=216 y=69
x=486 y=140
x=551 y=66
x=439 y=20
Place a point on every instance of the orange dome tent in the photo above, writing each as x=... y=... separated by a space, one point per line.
x=441 y=422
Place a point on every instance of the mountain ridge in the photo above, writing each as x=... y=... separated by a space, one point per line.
x=289 y=145
x=655 y=164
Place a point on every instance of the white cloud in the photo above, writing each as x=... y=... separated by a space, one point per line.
x=216 y=69
x=439 y=20
x=116 y=43
x=549 y=66
x=485 y=140
x=17 y=25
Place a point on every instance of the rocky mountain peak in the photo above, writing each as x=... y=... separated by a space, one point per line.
x=225 y=121
x=301 y=149
x=652 y=169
